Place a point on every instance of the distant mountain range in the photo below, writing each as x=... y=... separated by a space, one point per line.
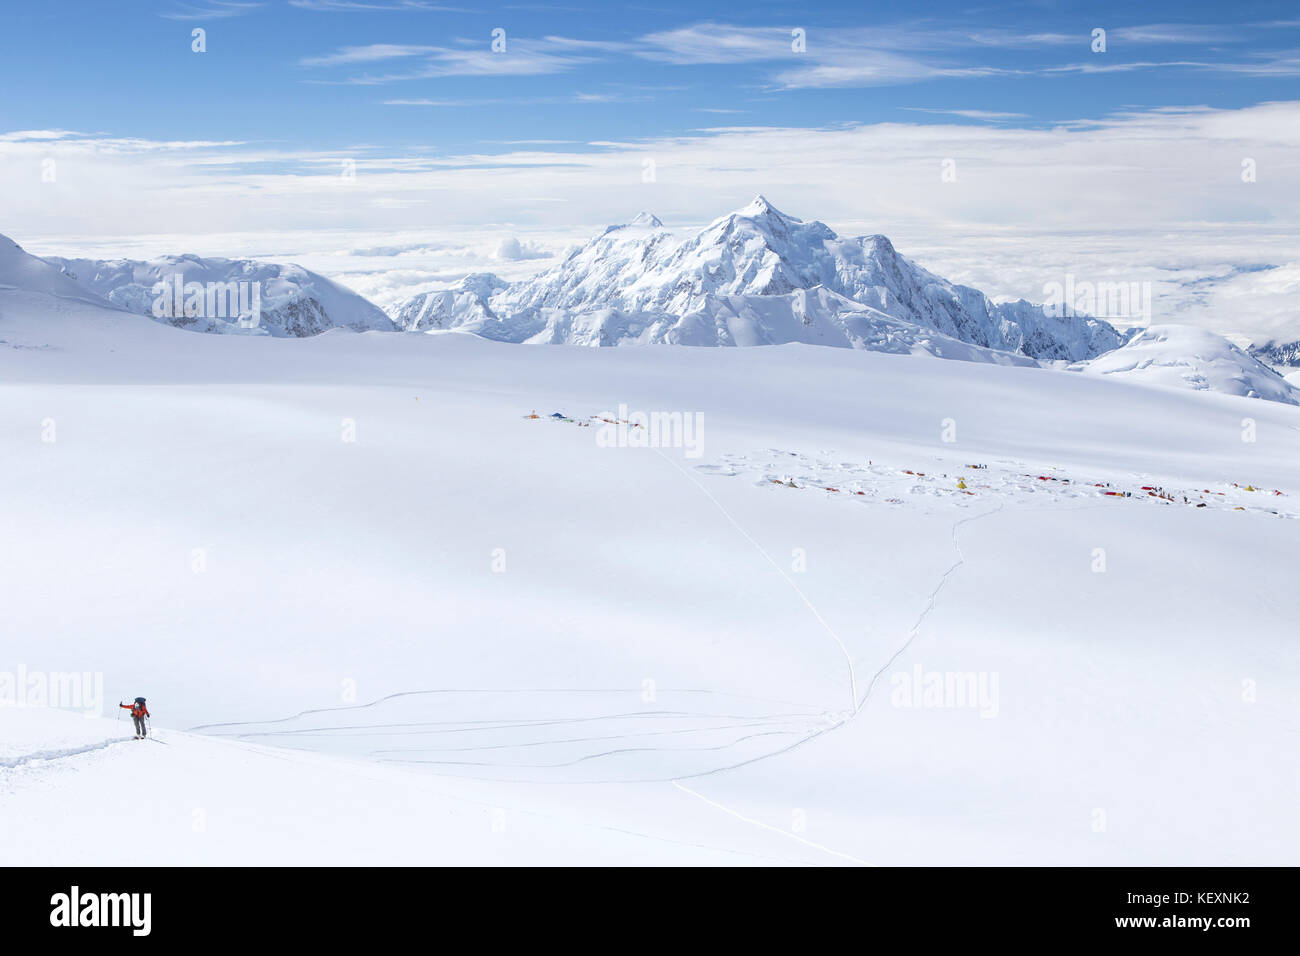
x=755 y=276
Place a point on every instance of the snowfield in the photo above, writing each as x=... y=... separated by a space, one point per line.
x=895 y=611
x=1182 y=356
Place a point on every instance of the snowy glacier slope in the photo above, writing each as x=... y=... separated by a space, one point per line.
x=294 y=302
x=352 y=565
x=22 y=271
x=814 y=316
x=1187 y=357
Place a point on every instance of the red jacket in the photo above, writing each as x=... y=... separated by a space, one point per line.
x=137 y=710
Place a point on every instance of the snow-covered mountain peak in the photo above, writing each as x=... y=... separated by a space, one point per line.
x=639 y=225
x=464 y=302
x=480 y=283
x=638 y=282
x=760 y=225
x=647 y=220
x=878 y=246
x=760 y=208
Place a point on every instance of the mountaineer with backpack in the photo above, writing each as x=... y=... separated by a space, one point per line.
x=139 y=713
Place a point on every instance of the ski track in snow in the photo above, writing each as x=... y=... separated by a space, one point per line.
x=728 y=728
x=848 y=658
x=372 y=730
x=481 y=690
x=789 y=834
x=9 y=763
x=930 y=604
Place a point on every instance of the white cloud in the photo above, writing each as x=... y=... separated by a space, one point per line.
x=1259 y=304
x=1158 y=166
x=510 y=249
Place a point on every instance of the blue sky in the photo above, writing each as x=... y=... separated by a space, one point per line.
x=322 y=74
x=316 y=117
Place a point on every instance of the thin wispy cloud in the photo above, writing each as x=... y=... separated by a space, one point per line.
x=1177 y=33
x=794 y=58
x=69 y=141
x=32 y=135
x=967 y=114
x=480 y=102
x=1268 y=65
x=428 y=102
x=367 y=6
x=704 y=43
x=210 y=10
x=853 y=57
x=1285 y=64
x=611 y=98
x=372 y=53
x=520 y=57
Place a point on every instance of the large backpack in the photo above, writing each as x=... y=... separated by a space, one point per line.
x=140 y=701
